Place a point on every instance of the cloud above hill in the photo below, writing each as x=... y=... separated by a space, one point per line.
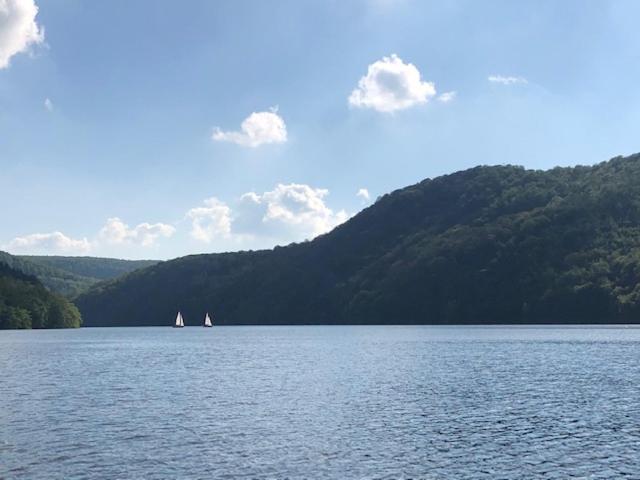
x=391 y=85
x=210 y=221
x=53 y=242
x=114 y=232
x=363 y=193
x=289 y=212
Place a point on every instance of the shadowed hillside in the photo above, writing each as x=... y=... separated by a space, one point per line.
x=486 y=245
x=70 y=276
x=25 y=303
x=90 y=267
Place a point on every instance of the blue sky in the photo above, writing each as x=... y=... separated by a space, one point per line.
x=120 y=121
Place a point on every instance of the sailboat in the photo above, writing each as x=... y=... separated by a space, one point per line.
x=179 y=321
x=207 y=321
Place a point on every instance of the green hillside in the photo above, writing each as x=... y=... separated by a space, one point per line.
x=26 y=303
x=94 y=268
x=57 y=280
x=486 y=245
x=70 y=276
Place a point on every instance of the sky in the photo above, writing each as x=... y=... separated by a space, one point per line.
x=156 y=129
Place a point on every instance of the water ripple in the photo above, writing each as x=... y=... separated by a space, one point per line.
x=321 y=403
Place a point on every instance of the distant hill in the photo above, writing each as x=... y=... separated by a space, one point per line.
x=60 y=281
x=496 y=244
x=26 y=303
x=70 y=276
x=91 y=267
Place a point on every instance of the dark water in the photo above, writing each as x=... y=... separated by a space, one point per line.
x=321 y=402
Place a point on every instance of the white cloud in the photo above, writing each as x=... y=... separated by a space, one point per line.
x=390 y=85
x=54 y=242
x=257 y=129
x=48 y=104
x=116 y=232
x=503 y=80
x=447 y=97
x=363 y=193
x=290 y=212
x=300 y=209
x=18 y=28
x=211 y=221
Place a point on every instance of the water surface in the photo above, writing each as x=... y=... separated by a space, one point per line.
x=321 y=403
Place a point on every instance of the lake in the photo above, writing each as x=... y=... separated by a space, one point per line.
x=325 y=402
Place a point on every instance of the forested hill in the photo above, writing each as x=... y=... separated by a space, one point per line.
x=487 y=245
x=90 y=267
x=69 y=276
x=26 y=303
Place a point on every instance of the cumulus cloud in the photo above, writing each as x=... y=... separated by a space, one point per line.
x=18 y=28
x=257 y=129
x=289 y=212
x=447 y=97
x=505 y=80
x=116 y=232
x=390 y=85
x=54 y=242
x=363 y=193
x=210 y=221
x=298 y=208
x=48 y=104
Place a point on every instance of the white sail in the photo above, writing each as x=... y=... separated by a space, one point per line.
x=207 y=320
x=179 y=320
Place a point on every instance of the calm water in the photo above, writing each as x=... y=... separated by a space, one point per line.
x=321 y=402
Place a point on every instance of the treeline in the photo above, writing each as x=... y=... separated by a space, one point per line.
x=93 y=268
x=494 y=244
x=57 y=280
x=70 y=276
x=25 y=303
